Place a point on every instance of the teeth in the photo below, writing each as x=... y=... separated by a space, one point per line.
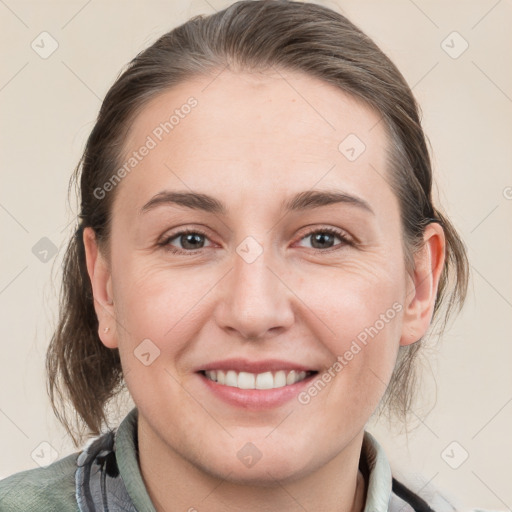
x=246 y=380
x=266 y=380
x=290 y=378
x=231 y=378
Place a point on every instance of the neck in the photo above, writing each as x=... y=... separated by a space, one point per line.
x=175 y=483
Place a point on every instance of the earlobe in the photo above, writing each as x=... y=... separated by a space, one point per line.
x=101 y=283
x=423 y=284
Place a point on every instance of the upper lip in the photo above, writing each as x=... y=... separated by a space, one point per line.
x=244 y=365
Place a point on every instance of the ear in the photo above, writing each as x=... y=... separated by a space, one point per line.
x=422 y=285
x=101 y=282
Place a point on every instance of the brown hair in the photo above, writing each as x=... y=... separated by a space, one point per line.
x=248 y=35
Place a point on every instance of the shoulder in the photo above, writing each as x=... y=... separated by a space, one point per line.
x=422 y=495
x=400 y=491
x=41 y=489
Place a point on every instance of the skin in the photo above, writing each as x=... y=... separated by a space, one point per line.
x=251 y=142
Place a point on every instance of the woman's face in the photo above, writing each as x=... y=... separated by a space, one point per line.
x=293 y=259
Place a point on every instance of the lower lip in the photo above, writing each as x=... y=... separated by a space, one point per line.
x=256 y=398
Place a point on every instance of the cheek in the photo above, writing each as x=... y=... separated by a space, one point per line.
x=354 y=299
x=163 y=305
x=368 y=317
x=364 y=351
x=362 y=310
x=160 y=313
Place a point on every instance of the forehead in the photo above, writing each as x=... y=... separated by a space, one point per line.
x=257 y=135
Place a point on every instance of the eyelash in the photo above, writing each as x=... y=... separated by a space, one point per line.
x=332 y=231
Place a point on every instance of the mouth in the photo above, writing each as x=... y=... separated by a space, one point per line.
x=255 y=385
x=257 y=381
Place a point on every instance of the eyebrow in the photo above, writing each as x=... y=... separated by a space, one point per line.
x=306 y=200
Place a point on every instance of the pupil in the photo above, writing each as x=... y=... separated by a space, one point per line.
x=190 y=238
x=321 y=238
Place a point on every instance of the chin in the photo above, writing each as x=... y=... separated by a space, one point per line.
x=252 y=466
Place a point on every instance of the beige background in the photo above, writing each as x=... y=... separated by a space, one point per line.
x=49 y=106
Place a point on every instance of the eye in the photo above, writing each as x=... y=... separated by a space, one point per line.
x=324 y=238
x=189 y=241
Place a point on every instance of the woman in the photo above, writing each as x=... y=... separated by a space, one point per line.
x=257 y=258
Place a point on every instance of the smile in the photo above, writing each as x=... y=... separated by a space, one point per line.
x=265 y=380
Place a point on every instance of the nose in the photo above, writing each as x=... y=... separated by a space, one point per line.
x=256 y=302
